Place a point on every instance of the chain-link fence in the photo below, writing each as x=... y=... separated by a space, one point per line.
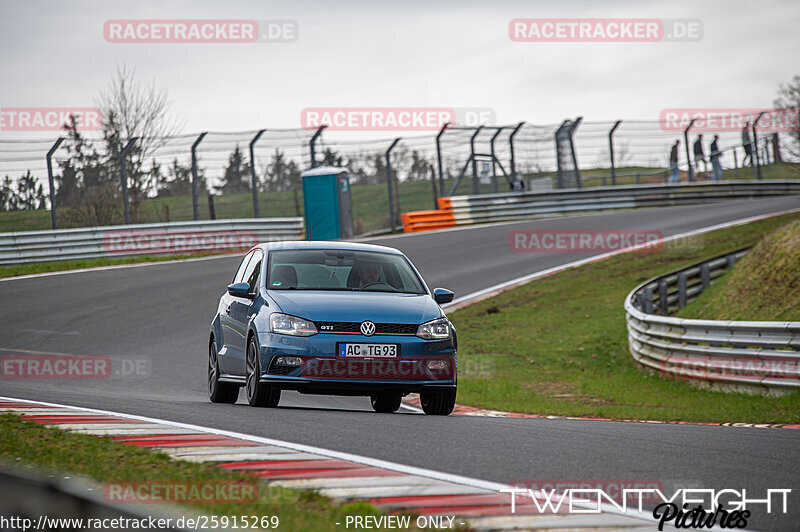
x=257 y=173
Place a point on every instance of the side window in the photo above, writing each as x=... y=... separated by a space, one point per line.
x=253 y=271
x=242 y=267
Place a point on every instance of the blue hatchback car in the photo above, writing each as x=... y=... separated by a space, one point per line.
x=332 y=318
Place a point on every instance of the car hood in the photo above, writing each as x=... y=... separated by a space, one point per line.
x=379 y=307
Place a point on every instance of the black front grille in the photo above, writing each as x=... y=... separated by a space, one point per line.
x=355 y=327
x=276 y=369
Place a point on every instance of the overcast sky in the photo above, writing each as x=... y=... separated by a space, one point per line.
x=409 y=53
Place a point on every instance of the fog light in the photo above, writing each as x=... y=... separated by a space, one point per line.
x=437 y=365
x=289 y=361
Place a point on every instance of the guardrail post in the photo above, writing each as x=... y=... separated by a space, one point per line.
x=663 y=297
x=735 y=164
x=439 y=158
x=51 y=181
x=494 y=159
x=572 y=129
x=511 y=149
x=389 y=179
x=681 y=290
x=124 y=178
x=195 y=210
x=253 y=178
x=755 y=143
x=648 y=300
x=688 y=153
x=475 y=184
x=705 y=275
x=730 y=261
x=611 y=153
x=312 y=145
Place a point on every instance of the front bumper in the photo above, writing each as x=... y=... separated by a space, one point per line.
x=422 y=365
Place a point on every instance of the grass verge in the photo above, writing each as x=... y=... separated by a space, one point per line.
x=559 y=345
x=57 y=266
x=763 y=286
x=51 y=450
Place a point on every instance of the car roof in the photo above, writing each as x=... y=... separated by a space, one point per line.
x=325 y=244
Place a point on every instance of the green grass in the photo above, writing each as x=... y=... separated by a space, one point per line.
x=370 y=202
x=763 y=286
x=559 y=345
x=54 y=451
x=44 y=267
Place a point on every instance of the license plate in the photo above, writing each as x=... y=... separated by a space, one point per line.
x=368 y=350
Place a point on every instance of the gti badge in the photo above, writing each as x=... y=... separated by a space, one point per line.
x=367 y=328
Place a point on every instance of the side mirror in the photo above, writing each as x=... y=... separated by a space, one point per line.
x=442 y=295
x=240 y=290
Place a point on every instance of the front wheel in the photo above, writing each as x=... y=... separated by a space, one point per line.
x=439 y=403
x=258 y=393
x=386 y=403
x=219 y=392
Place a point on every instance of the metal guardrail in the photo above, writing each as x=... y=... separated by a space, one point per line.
x=509 y=206
x=515 y=205
x=173 y=238
x=752 y=356
x=29 y=501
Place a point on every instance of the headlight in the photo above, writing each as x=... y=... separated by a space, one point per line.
x=434 y=330
x=285 y=324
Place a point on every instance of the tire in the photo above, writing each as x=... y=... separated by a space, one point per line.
x=438 y=403
x=386 y=403
x=219 y=392
x=258 y=393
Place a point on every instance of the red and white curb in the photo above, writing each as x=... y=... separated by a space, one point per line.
x=396 y=488
x=412 y=403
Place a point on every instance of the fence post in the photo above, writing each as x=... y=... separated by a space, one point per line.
x=475 y=184
x=681 y=290
x=572 y=129
x=51 y=181
x=124 y=178
x=494 y=159
x=511 y=148
x=253 y=178
x=389 y=179
x=735 y=164
x=755 y=144
x=312 y=143
x=439 y=157
x=705 y=275
x=611 y=152
x=688 y=153
x=195 y=211
x=663 y=297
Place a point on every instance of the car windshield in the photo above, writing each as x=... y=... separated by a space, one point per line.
x=346 y=270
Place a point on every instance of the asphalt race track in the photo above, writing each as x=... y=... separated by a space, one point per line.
x=160 y=313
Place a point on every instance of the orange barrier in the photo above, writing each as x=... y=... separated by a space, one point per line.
x=428 y=220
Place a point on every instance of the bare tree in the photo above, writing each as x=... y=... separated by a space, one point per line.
x=132 y=109
x=789 y=99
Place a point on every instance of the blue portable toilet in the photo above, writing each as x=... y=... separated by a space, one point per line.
x=326 y=199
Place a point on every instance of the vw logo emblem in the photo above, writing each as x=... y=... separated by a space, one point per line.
x=367 y=328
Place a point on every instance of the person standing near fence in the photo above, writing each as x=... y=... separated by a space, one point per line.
x=673 y=163
x=714 y=153
x=700 y=157
x=748 y=147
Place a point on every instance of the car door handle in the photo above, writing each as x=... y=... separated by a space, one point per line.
x=228 y=310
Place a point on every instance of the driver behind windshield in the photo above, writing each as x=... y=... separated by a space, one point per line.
x=367 y=272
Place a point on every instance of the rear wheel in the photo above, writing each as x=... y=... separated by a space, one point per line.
x=386 y=403
x=440 y=403
x=219 y=392
x=258 y=393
